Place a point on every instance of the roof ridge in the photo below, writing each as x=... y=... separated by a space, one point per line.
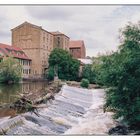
x=26 y=23
x=36 y=26
x=58 y=33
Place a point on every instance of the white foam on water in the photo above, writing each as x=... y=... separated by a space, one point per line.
x=64 y=111
x=95 y=121
x=62 y=121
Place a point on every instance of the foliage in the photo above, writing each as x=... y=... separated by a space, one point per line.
x=84 y=83
x=65 y=67
x=50 y=74
x=88 y=73
x=120 y=73
x=10 y=71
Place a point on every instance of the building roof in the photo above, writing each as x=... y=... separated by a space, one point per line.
x=33 y=25
x=85 y=61
x=76 y=43
x=13 y=51
x=26 y=23
x=58 y=33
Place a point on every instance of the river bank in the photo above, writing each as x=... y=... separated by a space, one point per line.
x=29 y=97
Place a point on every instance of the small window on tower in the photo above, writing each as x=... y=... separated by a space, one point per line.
x=43 y=39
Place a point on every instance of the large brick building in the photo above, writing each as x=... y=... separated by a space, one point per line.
x=77 y=48
x=18 y=54
x=61 y=40
x=37 y=43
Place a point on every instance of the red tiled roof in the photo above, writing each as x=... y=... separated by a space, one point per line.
x=76 y=43
x=13 y=51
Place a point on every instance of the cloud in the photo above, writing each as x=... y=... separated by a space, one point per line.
x=98 y=25
x=49 y=12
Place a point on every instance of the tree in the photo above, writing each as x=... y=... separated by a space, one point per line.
x=10 y=71
x=65 y=67
x=50 y=74
x=120 y=73
x=88 y=73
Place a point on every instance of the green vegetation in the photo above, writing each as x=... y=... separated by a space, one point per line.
x=119 y=72
x=88 y=73
x=50 y=74
x=84 y=83
x=65 y=67
x=10 y=71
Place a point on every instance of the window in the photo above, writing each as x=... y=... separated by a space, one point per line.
x=35 y=72
x=29 y=62
x=43 y=39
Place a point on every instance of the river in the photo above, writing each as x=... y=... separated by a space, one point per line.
x=75 y=111
x=9 y=92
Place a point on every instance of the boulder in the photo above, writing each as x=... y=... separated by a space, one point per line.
x=118 y=130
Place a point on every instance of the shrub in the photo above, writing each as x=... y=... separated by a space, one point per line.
x=84 y=83
x=88 y=73
x=10 y=71
x=50 y=74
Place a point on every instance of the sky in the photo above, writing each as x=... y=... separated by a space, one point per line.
x=97 y=25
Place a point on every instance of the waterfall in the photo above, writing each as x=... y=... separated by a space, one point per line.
x=74 y=111
x=95 y=121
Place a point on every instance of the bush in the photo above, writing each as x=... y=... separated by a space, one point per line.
x=50 y=74
x=84 y=83
x=88 y=73
x=10 y=71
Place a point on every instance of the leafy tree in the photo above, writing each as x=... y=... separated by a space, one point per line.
x=88 y=73
x=10 y=71
x=120 y=73
x=50 y=74
x=65 y=67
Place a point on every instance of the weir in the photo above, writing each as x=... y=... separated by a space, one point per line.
x=74 y=111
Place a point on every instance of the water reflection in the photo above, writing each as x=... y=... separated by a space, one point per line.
x=8 y=92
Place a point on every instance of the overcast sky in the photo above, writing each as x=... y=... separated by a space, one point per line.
x=98 y=26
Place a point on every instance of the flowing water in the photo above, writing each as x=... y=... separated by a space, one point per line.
x=74 y=111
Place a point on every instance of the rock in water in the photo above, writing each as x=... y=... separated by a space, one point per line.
x=118 y=130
